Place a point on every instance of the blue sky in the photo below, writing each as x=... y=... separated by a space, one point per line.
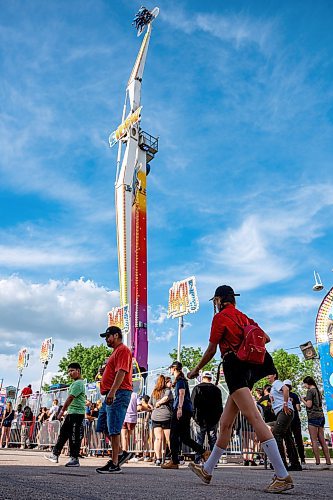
x=241 y=191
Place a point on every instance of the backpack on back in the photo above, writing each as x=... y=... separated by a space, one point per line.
x=252 y=348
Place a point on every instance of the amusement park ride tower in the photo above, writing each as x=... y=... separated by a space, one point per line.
x=133 y=166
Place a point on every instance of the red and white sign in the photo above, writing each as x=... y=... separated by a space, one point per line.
x=23 y=358
x=119 y=316
x=183 y=298
x=46 y=350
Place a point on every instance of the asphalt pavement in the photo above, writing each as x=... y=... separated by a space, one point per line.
x=27 y=475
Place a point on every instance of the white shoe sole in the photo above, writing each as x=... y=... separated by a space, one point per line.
x=281 y=490
x=51 y=460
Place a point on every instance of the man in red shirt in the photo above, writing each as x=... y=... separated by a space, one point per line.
x=26 y=391
x=25 y=394
x=116 y=385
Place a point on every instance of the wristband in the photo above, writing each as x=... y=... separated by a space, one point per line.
x=285 y=404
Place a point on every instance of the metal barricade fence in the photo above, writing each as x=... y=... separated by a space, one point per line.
x=140 y=442
x=243 y=443
x=34 y=434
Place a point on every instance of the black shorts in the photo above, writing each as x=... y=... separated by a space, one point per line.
x=164 y=424
x=240 y=374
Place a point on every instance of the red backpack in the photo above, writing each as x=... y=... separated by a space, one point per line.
x=252 y=348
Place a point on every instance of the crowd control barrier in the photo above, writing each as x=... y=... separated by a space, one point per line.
x=43 y=436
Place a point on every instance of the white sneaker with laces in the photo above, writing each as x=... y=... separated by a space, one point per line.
x=52 y=458
x=73 y=462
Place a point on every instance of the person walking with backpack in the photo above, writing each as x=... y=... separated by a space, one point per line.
x=207 y=407
x=231 y=330
x=316 y=419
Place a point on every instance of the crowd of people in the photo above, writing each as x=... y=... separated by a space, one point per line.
x=268 y=417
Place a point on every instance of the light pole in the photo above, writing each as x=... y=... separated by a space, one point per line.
x=46 y=353
x=180 y=327
x=40 y=387
x=18 y=386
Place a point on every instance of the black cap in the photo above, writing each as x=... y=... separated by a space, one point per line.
x=177 y=365
x=111 y=330
x=225 y=292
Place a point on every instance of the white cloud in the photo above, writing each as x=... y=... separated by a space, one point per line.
x=284 y=306
x=264 y=248
x=244 y=256
x=238 y=29
x=69 y=312
x=75 y=309
x=25 y=257
x=158 y=317
x=164 y=336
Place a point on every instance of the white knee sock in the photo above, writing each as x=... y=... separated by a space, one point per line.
x=272 y=451
x=213 y=458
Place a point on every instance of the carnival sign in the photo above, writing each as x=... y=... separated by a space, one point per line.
x=183 y=298
x=46 y=350
x=324 y=338
x=119 y=316
x=124 y=127
x=23 y=358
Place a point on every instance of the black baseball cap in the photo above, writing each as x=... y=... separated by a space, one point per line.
x=176 y=364
x=111 y=330
x=224 y=291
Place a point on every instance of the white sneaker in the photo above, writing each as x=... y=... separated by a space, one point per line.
x=73 y=462
x=52 y=458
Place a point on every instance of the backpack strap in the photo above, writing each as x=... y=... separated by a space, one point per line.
x=225 y=340
x=218 y=373
x=232 y=319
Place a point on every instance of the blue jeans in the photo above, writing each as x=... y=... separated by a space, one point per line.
x=211 y=432
x=111 y=417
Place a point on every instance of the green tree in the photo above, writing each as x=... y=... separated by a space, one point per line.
x=190 y=357
x=90 y=359
x=292 y=367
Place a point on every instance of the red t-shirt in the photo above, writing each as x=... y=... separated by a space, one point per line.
x=120 y=359
x=27 y=391
x=225 y=332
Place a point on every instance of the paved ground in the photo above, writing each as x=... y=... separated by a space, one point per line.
x=26 y=474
